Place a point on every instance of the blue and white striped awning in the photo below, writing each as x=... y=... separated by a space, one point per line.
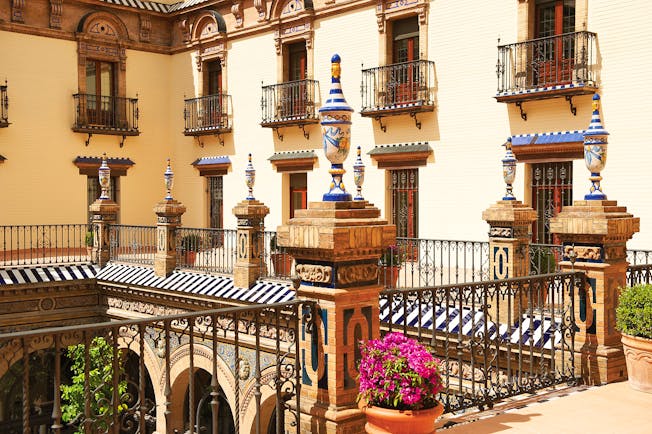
x=197 y=284
x=536 y=90
x=539 y=332
x=548 y=138
x=44 y=274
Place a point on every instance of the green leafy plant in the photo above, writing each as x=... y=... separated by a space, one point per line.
x=88 y=239
x=634 y=311
x=542 y=260
x=273 y=246
x=393 y=256
x=100 y=381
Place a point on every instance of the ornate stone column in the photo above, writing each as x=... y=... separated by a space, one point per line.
x=249 y=264
x=168 y=219
x=594 y=233
x=105 y=212
x=336 y=245
x=510 y=231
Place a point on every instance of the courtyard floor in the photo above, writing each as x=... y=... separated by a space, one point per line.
x=614 y=408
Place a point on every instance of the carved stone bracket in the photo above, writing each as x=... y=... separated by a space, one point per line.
x=56 y=10
x=184 y=27
x=145 y=27
x=17 y=9
x=236 y=10
x=260 y=6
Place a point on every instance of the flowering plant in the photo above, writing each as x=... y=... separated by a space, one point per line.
x=392 y=256
x=397 y=372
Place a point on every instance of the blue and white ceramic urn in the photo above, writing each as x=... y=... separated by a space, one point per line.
x=336 y=133
x=509 y=170
x=358 y=175
x=169 y=181
x=250 y=179
x=104 y=174
x=595 y=151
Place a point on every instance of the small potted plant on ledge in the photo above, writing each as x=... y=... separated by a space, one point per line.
x=399 y=383
x=634 y=320
x=281 y=261
x=190 y=245
x=390 y=265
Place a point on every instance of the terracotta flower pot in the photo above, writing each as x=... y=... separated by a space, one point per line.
x=388 y=275
x=638 y=355
x=386 y=421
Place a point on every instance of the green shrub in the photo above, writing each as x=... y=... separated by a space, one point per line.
x=88 y=240
x=634 y=311
x=542 y=260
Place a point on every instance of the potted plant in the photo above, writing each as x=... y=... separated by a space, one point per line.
x=634 y=320
x=390 y=265
x=399 y=382
x=281 y=261
x=190 y=245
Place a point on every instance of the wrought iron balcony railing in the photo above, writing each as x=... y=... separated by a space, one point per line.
x=400 y=87
x=4 y=106
x=568 y=60
x=291 y=103
x=127 y=396
x=96 y=114
x=44 y=244
x=495 y=338
x=207 y=115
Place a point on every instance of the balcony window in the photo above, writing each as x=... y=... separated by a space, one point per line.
x=400 y=88
x=557 y=61
x=405 y=85
x=105 y=114
x=207 y=115
x=290 y=103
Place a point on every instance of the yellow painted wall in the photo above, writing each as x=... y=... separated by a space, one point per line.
x=40 y=183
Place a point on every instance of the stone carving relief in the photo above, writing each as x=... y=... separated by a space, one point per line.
x=498 y=232
x=584 y=253
x=103 y=28
x=387 y=9
x=314 y=273
x=357 y=273
x=142 y=307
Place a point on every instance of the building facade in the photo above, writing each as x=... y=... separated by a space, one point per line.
x=205 y=83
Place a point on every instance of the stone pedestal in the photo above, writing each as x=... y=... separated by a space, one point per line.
x=510 y=231
x=249 y=263
x=105 y=212
x=336 y=246
x=168 y=219
x=597 y=232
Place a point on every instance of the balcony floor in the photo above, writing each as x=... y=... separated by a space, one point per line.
x=613 y=408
